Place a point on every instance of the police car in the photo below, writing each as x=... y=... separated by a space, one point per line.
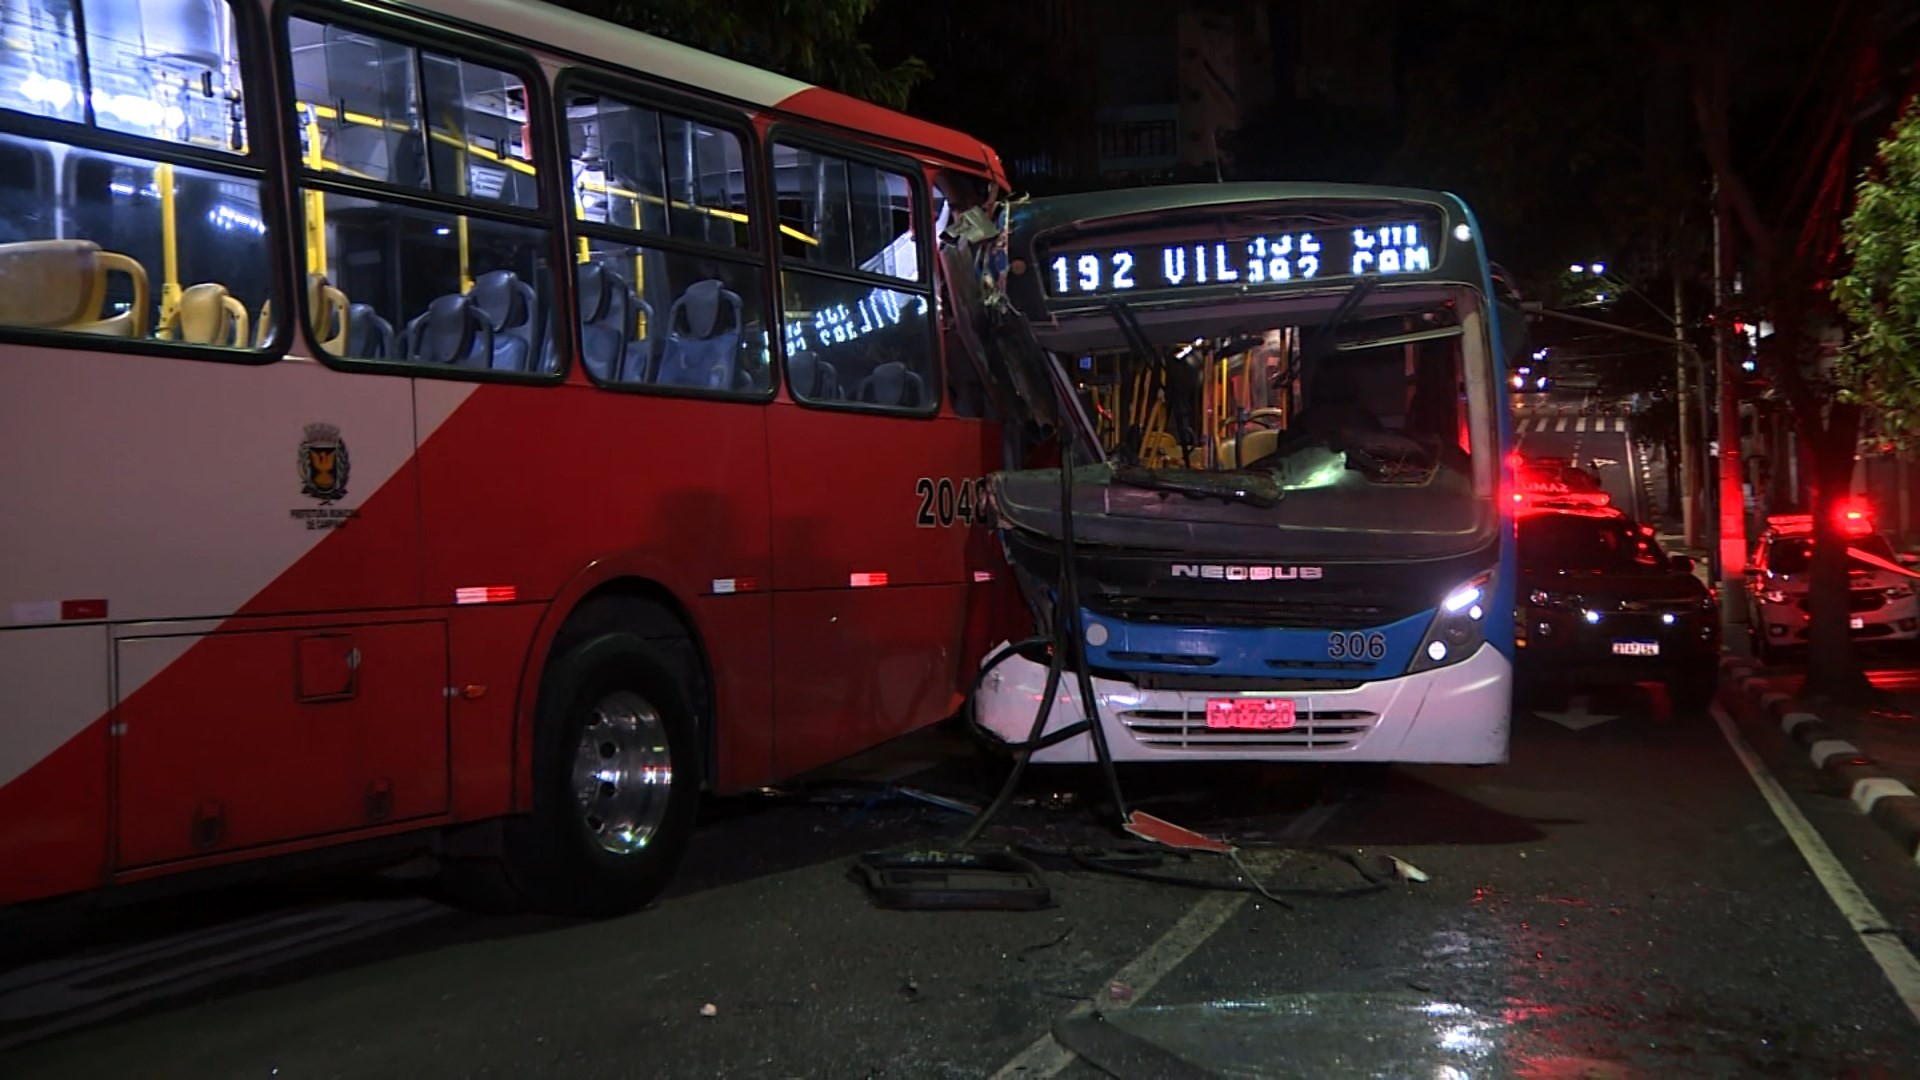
x=1601 y=603
x=1881 y=605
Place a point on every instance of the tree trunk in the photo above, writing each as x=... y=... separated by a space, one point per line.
x=1833 y=668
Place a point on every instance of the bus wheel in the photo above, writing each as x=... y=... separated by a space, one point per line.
x=616 y=782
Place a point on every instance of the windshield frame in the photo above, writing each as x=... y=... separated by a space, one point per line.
x=1307 y=310
x=1532 y=556
x=1802 y=549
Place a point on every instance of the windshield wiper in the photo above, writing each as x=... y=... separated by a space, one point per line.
x=1154 y=481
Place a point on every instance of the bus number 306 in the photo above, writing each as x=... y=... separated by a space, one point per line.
x=946 y=501
x=1354 y=645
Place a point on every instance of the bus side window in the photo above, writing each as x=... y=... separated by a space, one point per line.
x=670 y=286
x=856 y=304
x=168 y=242
x=464 y=283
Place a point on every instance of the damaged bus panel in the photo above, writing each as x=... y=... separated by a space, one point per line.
x=1282 y=525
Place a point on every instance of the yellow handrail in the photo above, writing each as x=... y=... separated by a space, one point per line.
x=367 y=120
x=169 y=243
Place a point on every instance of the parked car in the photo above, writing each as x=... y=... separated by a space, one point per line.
x=1881 y=604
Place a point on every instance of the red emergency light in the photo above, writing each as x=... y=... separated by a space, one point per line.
x=1853 y=516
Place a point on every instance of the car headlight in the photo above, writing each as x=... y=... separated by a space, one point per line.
x=1459 y=625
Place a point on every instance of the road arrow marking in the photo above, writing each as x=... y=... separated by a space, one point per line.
x=1602 y=462
x=1576 y=718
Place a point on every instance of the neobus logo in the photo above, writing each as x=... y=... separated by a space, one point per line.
x=1220 y=572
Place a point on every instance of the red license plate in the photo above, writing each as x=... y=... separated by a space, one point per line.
x=1250 y=714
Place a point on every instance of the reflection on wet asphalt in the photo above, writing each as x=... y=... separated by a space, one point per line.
x=1618 y=901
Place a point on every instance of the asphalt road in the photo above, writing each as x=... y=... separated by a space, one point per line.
x=1618 y=901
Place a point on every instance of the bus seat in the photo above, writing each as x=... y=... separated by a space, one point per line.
x=609 y=311
x=1255 y=445
x=813 y=378
x=369 y=336
x=508 y=303
x=451 y=331
x=893 y=385
x=62 y=285
x=704 y=353
x=327 y=306
x=207 y=314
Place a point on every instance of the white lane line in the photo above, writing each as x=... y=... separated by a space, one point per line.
x=1881 y=940
x=1620 y=425
x=1045 y=1057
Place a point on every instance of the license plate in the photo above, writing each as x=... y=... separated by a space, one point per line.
x=1250 y=714
x=1636 y=648
x=1857 y=623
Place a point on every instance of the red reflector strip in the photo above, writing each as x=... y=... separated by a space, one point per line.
x=83 y=609
x=486 y=594
x=867 y=581
x=982 y=575
x=723 y=586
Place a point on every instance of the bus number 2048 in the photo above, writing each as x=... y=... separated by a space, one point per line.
x=945 y=502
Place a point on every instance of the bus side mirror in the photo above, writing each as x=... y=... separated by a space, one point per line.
x=1680 y=564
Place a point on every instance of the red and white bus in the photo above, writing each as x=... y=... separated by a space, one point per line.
x=462 y=423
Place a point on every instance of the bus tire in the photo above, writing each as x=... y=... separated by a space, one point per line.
x=606 y=832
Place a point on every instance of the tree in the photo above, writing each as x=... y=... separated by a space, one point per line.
x=817 y=41
x=1880 y=293
x=1568 y=129
x=1793 y=251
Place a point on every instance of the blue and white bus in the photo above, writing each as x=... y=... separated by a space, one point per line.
x=1289 y=538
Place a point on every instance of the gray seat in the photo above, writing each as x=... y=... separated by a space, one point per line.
x=510 y=307
x=892 y=385
x=610 y=345
x=813 y=379
x=451 y=331
x=369 y=336
x=701 y=348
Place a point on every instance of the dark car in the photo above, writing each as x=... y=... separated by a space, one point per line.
x=1600 y=602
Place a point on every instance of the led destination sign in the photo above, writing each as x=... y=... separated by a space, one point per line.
x=1273 y=258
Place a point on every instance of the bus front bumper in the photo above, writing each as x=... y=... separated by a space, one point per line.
x=1457 y=715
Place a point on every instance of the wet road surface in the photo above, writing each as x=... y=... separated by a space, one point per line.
x=1618 y=901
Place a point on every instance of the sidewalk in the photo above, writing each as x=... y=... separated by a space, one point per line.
x=1668 y=530
x=1872 y=756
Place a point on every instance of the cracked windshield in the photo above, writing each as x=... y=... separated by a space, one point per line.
x=1149 y=539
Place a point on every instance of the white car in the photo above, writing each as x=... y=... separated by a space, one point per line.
x=1881 y=605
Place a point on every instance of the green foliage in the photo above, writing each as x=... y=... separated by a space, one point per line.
x=817 y=41
x=1880 y=295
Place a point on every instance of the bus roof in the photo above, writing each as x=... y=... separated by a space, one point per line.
x=1055 y=211
x=545 y=27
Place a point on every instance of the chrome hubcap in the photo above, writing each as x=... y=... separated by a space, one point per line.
x=623 y=773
